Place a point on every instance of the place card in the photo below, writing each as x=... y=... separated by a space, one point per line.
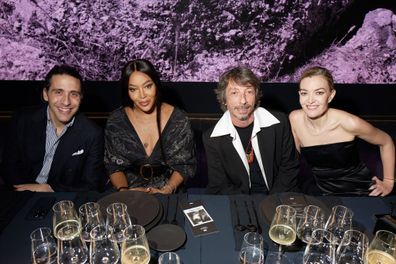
x=200 y=221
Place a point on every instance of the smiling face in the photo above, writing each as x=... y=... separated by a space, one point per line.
x=63 y=97
x=315 y=96
x=142 y=91
x=240 y=101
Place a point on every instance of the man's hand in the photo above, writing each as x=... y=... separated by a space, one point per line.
x=33 y=187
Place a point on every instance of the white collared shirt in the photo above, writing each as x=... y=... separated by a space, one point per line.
x=262 y=118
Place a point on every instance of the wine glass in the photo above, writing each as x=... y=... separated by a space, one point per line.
x=135 y=248
x=252 y=250
x=169 y=258
x=353 y=248
x=90 y=217
x=66 y=224
x=340 y=220
x=43 y=246
x=382 y=249
x=117 y=221
x=312 y=218
x=283 y=226
x=102 y=250
x=320 y=248
x=72 y=251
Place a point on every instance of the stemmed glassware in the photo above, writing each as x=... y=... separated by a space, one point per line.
x=43 y=246
x=102 y=250
x=72 y=251
x=340 y=220
x=91 y=217
x=135 y=248
x=117 y=221
x=312 y=219
x=65 y=221
x=320 y=248
x=169 y=258
x=283 y=227
x=353 y=248
x=382 y=249
x=252 y=249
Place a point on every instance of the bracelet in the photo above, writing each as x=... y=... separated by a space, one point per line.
x=122 y=188
x=389 y=179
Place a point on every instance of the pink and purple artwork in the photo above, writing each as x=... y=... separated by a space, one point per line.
x=196 y=40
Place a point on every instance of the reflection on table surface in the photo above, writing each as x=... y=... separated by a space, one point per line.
x=220 y=247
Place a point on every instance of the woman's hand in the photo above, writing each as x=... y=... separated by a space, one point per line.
x=382 y=188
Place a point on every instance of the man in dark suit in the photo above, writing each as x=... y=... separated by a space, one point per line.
x=54 y=147
x=250 y=149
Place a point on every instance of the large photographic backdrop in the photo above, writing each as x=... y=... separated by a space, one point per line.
x=196 y=40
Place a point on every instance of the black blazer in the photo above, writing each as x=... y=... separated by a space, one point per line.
x=227 y=174
x=78 y=160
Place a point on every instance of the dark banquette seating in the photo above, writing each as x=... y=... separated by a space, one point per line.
x=371 y=102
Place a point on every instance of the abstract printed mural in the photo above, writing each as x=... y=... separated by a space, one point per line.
x=196 y=40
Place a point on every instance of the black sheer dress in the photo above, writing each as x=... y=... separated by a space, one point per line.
x=338 y=169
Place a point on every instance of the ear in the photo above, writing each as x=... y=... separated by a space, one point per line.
x=45 y=94
x=333 y=93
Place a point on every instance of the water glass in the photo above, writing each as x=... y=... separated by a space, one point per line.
x=72 y=251
x=382 y=249
x=117 y=220
x=312 y=219
x=340 y=220
x=90 y=216
x=353 y=248
x=102 y=250
x=169 y=258
x=320 y=248
x=65 y=221
x=252 y=250
x=135 y=248
x=43 y=246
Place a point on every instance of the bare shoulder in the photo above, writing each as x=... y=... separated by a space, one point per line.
x=296 y=115
x=347 y=120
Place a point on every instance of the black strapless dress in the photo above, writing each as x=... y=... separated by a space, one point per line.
x=338 y=169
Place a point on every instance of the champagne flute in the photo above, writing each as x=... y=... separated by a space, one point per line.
x=312 y=218
x=102 y=250
x=65 y=221
x=43 y=246
x=117 y=221
x=353 y=248
x=252 y=251
x=320 y=248
x=135 y=248
x=90 y=217
x=382 y=249
x=72 y=251
x=169 y=258
x=340 y=220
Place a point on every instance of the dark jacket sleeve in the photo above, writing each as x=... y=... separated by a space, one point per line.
x=288 y=167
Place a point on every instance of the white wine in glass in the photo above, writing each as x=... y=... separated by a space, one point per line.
x=382 y=249
x=135 y=248
x=283 y=226
x=65 y=221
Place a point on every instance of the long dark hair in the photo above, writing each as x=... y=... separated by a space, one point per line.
x=146 y=67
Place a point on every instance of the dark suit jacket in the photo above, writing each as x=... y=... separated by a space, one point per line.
x=226 y=172
x=70 y=170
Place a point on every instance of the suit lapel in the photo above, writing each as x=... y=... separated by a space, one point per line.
x=267 y=151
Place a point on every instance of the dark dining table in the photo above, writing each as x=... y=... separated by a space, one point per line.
x=219 y=247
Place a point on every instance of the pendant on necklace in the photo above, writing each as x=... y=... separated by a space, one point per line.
x=250 y=157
